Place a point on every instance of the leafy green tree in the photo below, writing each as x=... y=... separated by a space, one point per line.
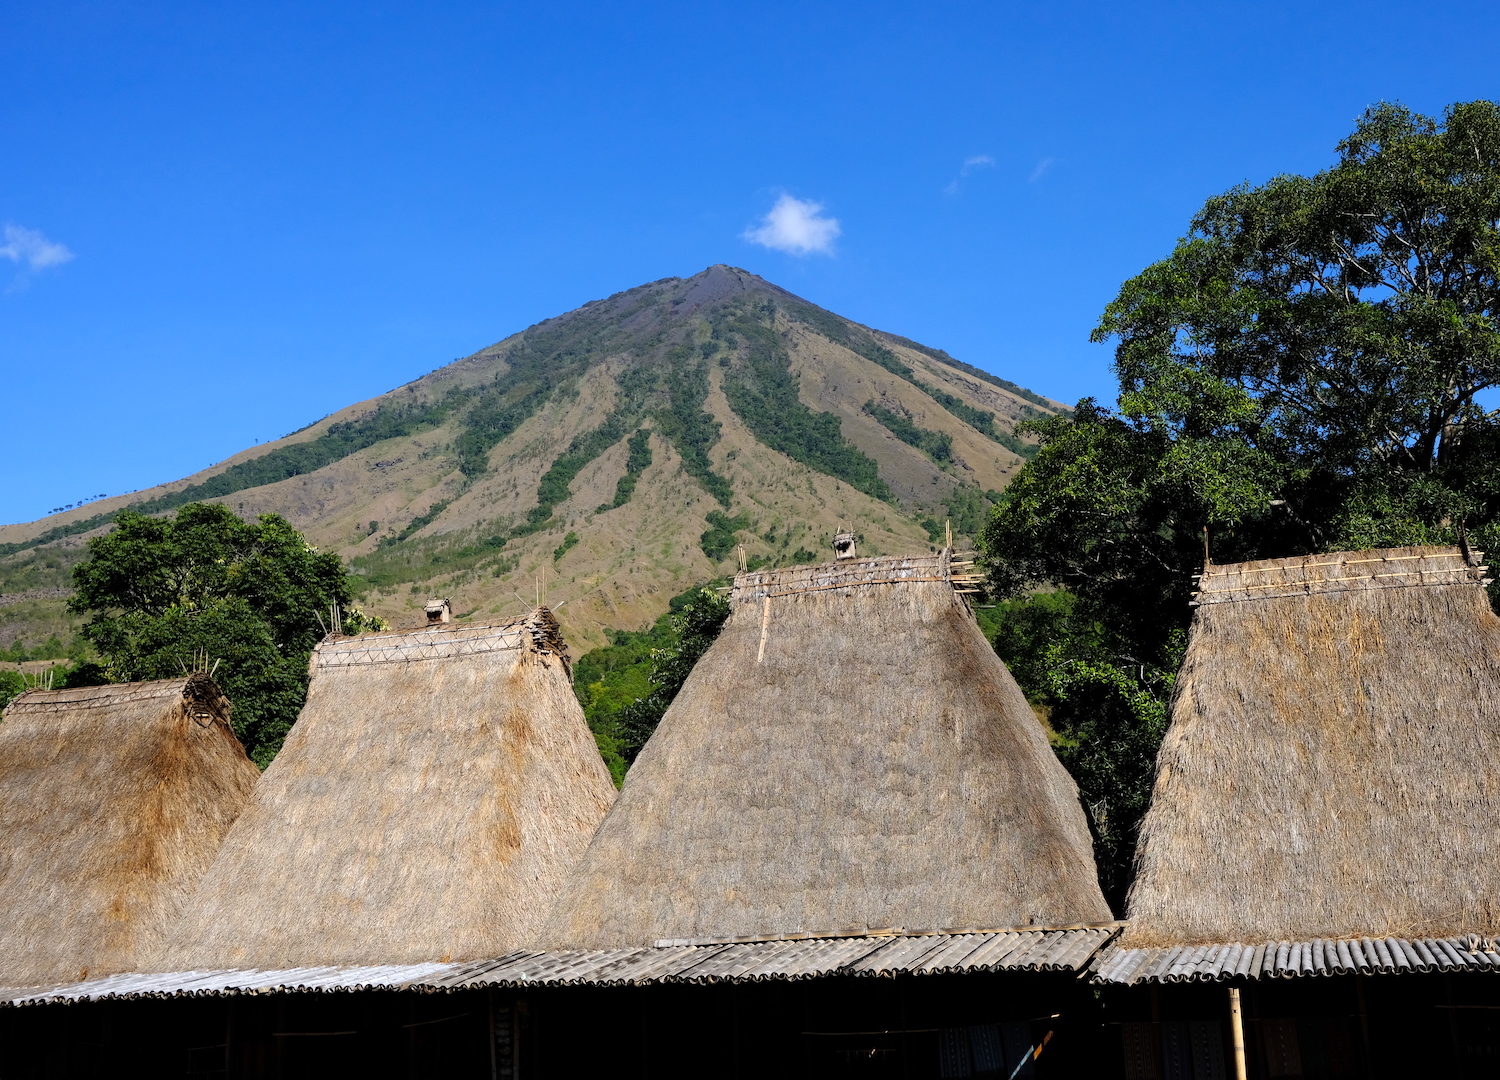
x=626 y=687
x=1305 y=372
x=11 y=684
x=252 y=597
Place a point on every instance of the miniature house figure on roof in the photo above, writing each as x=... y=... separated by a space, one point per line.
x=439 y=611
x=843 y=546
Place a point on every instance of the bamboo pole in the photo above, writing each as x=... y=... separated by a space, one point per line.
x=1237 y=1032
x=765 y=625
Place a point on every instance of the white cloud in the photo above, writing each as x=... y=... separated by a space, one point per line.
x=1043 y=167
x=978 y=161
x=29 y=247
x=795 y=226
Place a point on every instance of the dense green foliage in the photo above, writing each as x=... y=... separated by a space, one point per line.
x=935 y=444
x=1301 y=375
x=54 y=648
x=249 y=596
x=718 y=539
x=637 y=461
x=626 y=686
x=11 y=684
x=1108 y=714
x=763 y=393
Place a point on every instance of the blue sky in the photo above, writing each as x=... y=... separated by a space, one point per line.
x=222 y=222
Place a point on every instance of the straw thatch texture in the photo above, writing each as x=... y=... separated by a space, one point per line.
x=849 y=754
x=436 y=788
x=113 y=801
x=1332 y=769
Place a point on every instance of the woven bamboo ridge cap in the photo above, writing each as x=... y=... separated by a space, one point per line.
x=892 y=932
x=1340 y=571
x=88 y=697
x=538 y=629
x=945 y=566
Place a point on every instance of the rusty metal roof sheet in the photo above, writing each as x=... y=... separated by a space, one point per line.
x=1293 y=959
x=874 y=955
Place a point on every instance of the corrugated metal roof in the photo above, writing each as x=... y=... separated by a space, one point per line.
x=758 y=961
x=1292 y=959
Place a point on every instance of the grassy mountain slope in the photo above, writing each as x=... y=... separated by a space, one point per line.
x=609 y=457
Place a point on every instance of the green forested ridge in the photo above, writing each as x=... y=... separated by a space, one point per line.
x=980 y=420
x=1302 y=374
x=935 y=444
x=861 y=342
x=968 y=510
x=978 y=373
x=719 y=537
x=637 y=461
x=497 y=411
x=762 y=391
x=690 y=428
x=423 y=558
x=567 y=545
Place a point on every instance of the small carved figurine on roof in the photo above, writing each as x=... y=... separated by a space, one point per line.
x=843 y=545
x=439 y=611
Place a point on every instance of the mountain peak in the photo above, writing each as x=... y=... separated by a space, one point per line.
x=618 y=453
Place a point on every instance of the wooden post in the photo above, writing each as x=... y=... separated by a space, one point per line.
x=1237 y=1032
x=1364 y=1026
x=494 y=1062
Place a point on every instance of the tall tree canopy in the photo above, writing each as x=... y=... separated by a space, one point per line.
x=1306 y=372
x=249 y=596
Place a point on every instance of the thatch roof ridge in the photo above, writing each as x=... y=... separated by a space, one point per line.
x=1332 y=767
x=113 y=802
x=850 y=755
x=99 y=696
x=1340 y=571
x=537 y=631
x=944 y=566
x=426 y=805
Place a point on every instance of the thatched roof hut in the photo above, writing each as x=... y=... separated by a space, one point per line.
x=428 y=802
x=1329 y=788
x=849 y=756
x=113 y=802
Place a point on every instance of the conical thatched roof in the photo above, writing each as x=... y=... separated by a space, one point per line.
x=113 y=802
x=1332 y=769
x=850 y=755
x=428 y=802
